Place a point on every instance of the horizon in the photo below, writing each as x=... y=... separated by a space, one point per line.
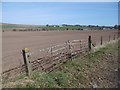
x=53 y=13
x=56 y=24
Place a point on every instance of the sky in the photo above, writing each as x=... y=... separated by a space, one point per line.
x=60 y=0
x=42 y=13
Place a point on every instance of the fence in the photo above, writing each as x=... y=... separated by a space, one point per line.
x=48 y=59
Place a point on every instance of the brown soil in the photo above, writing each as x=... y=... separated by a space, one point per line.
x=14 y=42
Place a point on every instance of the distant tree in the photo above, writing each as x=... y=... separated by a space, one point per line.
x=47 y=25
x=14 y=29
x=89 y=26
x=116 y=27
x=64 y=24
x=101 y=28
x=43 y=29
x=57 y=26
x=77 y=25
x=67 y=29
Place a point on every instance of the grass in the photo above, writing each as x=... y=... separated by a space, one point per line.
x=10 y=26
x=73 y=74
x=49 y=28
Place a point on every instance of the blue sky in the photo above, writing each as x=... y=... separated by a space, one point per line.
x=40 y=13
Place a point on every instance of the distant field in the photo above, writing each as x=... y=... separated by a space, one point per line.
x=10 y=27
x=14 y=42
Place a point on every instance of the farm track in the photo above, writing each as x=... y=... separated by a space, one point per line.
x=14 y=42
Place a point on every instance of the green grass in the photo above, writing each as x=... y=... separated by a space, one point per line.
x=63 y=28
x=10 y=26
x=46 y=28
x=71 y=74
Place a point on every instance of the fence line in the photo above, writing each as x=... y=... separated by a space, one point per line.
x=50 y=58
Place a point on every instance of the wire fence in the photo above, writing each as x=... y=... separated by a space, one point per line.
x=48 y=59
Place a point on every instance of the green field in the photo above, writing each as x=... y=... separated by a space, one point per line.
x=49 y=27
x=10 y=26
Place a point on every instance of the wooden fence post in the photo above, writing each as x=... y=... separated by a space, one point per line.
x=109 y=38
x=69 y=47
x=117 y=36
x=101 y=40
x=26 y=57
x=51 y=51
x=114 y=36
x=89 y=42
x=66 y=46
x=80 y=44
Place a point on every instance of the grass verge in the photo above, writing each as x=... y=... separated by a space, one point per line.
x=93 y=70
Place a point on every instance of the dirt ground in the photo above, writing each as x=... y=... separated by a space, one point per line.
x=95 y=70
x=14 y=42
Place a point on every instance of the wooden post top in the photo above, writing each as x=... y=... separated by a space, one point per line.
x=26 y=50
